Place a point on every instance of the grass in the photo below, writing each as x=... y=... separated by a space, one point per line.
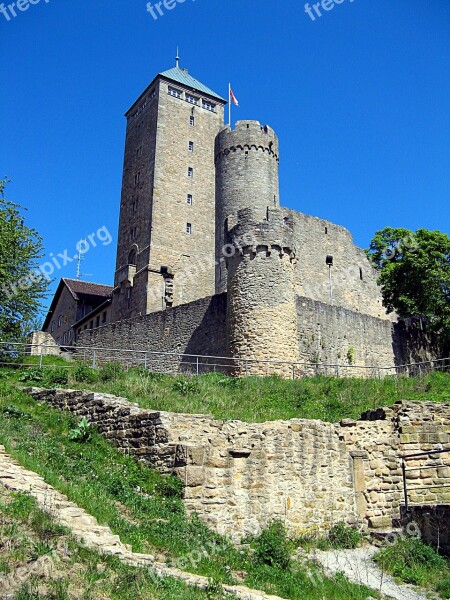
x=28 y=534
x=145 y=508
x=255 y=399
x=412 y=561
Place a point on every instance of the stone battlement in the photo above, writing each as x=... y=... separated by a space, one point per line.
x=247 y=135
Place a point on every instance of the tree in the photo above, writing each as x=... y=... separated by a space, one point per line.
x=415 y=275
x=22 y=284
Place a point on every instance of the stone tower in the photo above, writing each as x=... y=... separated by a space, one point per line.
x=246 y=161
x=166 y=246
x=261 y=305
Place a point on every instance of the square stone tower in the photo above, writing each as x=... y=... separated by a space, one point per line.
x=166 y=240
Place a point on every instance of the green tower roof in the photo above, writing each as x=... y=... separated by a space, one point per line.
x=182 y=76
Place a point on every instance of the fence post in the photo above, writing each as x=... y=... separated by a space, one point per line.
x=293 y=371
x=94 y=360
x=145 y=360
x=197 y=366
x=40 y=359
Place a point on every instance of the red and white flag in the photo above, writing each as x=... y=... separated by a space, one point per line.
x=233 y=98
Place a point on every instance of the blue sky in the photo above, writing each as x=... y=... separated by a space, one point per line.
x=360 y=100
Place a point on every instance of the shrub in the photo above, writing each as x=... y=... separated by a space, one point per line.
x=343 y=536
x=110 y=371
x=411 y=560
x=33 y=375
x=57 y=376
x=84 y=374
x=272 y=546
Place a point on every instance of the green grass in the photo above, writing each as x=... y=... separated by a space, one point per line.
x=27 y=533
x=144 y=507
x=412 y=561
x=254 y=399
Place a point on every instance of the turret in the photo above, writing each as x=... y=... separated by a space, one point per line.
x=261 y=305
x=246 y=161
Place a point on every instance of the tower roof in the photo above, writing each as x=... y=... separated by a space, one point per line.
x=182 y=76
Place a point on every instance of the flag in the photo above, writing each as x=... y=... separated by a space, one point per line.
x=233 y=98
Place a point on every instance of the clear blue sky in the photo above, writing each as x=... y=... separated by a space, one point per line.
x=360 y=99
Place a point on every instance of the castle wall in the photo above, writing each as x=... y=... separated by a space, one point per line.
x=309 y=474
x=354 y=280
x=194 y=328
x=336 y=335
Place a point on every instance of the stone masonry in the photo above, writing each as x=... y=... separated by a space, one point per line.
x=310 y=474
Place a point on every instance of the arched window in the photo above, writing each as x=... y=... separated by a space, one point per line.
x=132 y=257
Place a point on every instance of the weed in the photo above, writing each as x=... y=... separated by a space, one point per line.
x=32 y=375
x=84 y=374
x=56 y=376
x=81 y=433
x=343 y=536
x=185 y=386
x=272 y=546
x=111 y=371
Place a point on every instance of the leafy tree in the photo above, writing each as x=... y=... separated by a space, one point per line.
x=22 y=284
x=415 y=274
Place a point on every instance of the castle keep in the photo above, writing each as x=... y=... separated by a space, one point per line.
x=210 y=263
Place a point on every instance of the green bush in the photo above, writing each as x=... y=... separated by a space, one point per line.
x=110 y=371
x=57 y=376
x=84 y=374
x=272 y=546
x=343 y=536
x=411 y=560
x=33 y=375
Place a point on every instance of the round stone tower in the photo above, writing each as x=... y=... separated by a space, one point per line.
x=261 y=305
x=246 y=161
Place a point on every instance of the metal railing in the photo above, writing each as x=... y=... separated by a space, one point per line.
x=406 y=469
x=196 y=364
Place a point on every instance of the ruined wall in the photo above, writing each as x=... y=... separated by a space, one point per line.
x=310 y=474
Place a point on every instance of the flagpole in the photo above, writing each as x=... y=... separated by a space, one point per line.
x=229 y=104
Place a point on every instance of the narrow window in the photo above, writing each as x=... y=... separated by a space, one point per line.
x=189 y=199
x=91 y=325
x=188 y=228
x=192 y=121
x=104 y=317
x=208 y=105
x=361 y=274
x=137 y=178
x=190 y=172
x=59 y=320
x=52 y=329
x=191 y=146
x=97 y=321
x=326 y=230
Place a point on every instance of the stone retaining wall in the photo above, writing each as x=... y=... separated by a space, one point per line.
x=311 y=474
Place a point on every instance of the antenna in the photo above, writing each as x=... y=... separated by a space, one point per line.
x=80 y=259
x=177 y=59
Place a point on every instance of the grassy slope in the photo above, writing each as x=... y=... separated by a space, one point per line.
x=138 y=503
x=27 y=534
x=259 y=399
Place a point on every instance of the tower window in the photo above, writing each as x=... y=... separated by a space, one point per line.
x=326 y=230
x=190 y=172
x=192 y=99
x=137 y=178
x=191 y=146
x=188 y=228
x=175 y=93
x=189 y=199
x=208 y=105
x=192 y=121
x=361 y=274
x=59 y=321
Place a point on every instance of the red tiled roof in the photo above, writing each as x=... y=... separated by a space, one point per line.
x=84 y=288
